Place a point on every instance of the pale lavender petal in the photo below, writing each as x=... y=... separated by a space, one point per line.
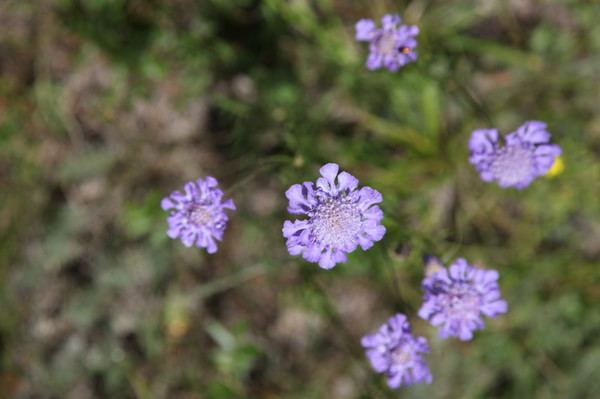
x=327 y=182
x=209 y=244
x=494 y=309
x=228 y=204
x=379 y=361
x=330 y=258
x=365 y=29
x=545 y=155
x=188 y=237
x=464 y=332
x=368 y=197
x=374 y=61
x=390 y=21
x=413 y=31
x=313 y=252
x=211 y=182
x=374 y=230
x=347 y=182
x=437 y=319
x=483 y=140
x=329 y=172
x=395 y=380
x=173 y=232
x=191 y=190
x=365 y=242
x=372 y=341
x=534 y=132
x=299 y=195
x=373 y=213
x=289 y=228
x=166 y=204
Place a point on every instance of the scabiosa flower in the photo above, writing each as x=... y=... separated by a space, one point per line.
x=339 y=218
x=524 y=156
x=397 y=353
x=392 y=46
x=456 y=299
x=198 y=215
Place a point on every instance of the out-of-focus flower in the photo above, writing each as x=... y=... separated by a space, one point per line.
x=198 y=215
x=339 y=218
x=431 y=265
x=557 y=167
x=525 y=155
x=456 y=299
x=393 y=350
x=391 y=46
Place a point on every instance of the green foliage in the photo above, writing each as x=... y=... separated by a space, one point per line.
x=107 y=106
x=233 y=357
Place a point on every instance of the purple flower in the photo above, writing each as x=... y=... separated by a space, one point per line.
x=397 y=353
x=198 y=215
x=525 y=155
x=391 y=45
x=339 y=218
x=457 y=299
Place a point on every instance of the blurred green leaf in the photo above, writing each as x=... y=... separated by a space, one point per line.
x=79 y=167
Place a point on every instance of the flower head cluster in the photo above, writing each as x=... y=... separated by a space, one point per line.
x=391 y=46
x=340 y=217
x=525 y=155
x=457 y=298
x=198 y=215
x=393 y=350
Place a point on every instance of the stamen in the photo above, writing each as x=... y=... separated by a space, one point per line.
x=199 y=214
x=336 y=222
x=512 y=164
x=461 y=301
x=399 y=355
x=385 y=43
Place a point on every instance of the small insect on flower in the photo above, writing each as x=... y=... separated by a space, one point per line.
x=340 y=217
x=391 y=46
x=393 y=350
x=526 y=155
x=198 y=215
x=455 y=299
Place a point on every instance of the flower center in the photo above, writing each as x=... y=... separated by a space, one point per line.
x=461 y=302
x=512 y=164
x=385 y=43
x=199 y=214
x=399 y=355
x=336 y=222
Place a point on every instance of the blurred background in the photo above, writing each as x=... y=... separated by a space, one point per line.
x=107 y=106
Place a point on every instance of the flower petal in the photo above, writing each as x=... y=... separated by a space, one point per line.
x=347 y=182
x=365 y=29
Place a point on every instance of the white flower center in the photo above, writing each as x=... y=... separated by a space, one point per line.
x=336 y=222
x=399 y=355
x=199 y=214
x=461 y=301
x=512 y=165
x=385 y=43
